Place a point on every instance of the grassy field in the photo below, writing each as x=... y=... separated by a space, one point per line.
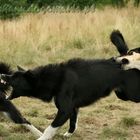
x=43 y=38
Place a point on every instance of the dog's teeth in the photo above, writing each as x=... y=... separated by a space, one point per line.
x=7 y=96
x=3 y=82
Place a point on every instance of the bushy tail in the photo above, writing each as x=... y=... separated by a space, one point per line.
x=118 y=40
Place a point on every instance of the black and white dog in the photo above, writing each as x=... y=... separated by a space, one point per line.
x=130 y=59
x=8 y=108
x=72 y=84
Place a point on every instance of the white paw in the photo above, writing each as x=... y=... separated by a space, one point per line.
x=67 y=134
x=44 y=138
x=49 y=133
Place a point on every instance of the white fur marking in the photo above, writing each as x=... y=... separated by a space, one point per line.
x=130 y=58
x=68 y=134
x=6 y=96
x=48 y=133
x=2 y=81
x=134 y=61
x=6 y=115
x=132 y=65
x=33 y=129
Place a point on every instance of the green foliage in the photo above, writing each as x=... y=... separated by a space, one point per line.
x=14 y=8
x=11 y=8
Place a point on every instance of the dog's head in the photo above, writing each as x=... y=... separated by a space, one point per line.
x=20 y=81
x=130 y=61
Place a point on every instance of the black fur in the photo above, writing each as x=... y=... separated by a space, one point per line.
x=5 y=105
x=130 y=89
x=118 y=40
x=73 y=84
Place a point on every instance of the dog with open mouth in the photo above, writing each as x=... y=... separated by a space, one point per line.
x=130 y=60
x=8 y=109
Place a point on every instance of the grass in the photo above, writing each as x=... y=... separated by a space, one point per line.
x=128 y=121
x=113 y=133
x=43 y=38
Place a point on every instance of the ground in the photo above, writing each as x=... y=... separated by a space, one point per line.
x=108 y=119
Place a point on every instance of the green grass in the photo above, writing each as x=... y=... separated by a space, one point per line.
x=128 y=121
x=113 y=133
x=3 y=131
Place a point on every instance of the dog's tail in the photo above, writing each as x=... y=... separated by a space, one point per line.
x=117 y=39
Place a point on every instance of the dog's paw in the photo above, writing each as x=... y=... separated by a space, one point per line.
x=67 y=134
x=42 y=138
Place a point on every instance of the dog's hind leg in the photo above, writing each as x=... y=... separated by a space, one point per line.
x=73 y=123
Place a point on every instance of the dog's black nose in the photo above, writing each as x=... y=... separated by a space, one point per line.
x=125 y=61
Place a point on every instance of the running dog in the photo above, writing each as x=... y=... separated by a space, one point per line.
x=72 y=84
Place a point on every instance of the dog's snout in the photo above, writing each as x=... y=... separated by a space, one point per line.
x=125 y=61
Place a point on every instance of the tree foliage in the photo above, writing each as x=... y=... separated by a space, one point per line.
x=14 y=8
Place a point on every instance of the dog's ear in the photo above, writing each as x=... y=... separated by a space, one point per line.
x=136 y=50
x=21 y=69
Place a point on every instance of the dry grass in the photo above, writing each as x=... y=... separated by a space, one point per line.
x=54 y=37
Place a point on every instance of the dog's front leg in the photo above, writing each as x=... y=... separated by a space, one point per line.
x=61 y=118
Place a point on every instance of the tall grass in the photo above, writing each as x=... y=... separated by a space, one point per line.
x=52 y=37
